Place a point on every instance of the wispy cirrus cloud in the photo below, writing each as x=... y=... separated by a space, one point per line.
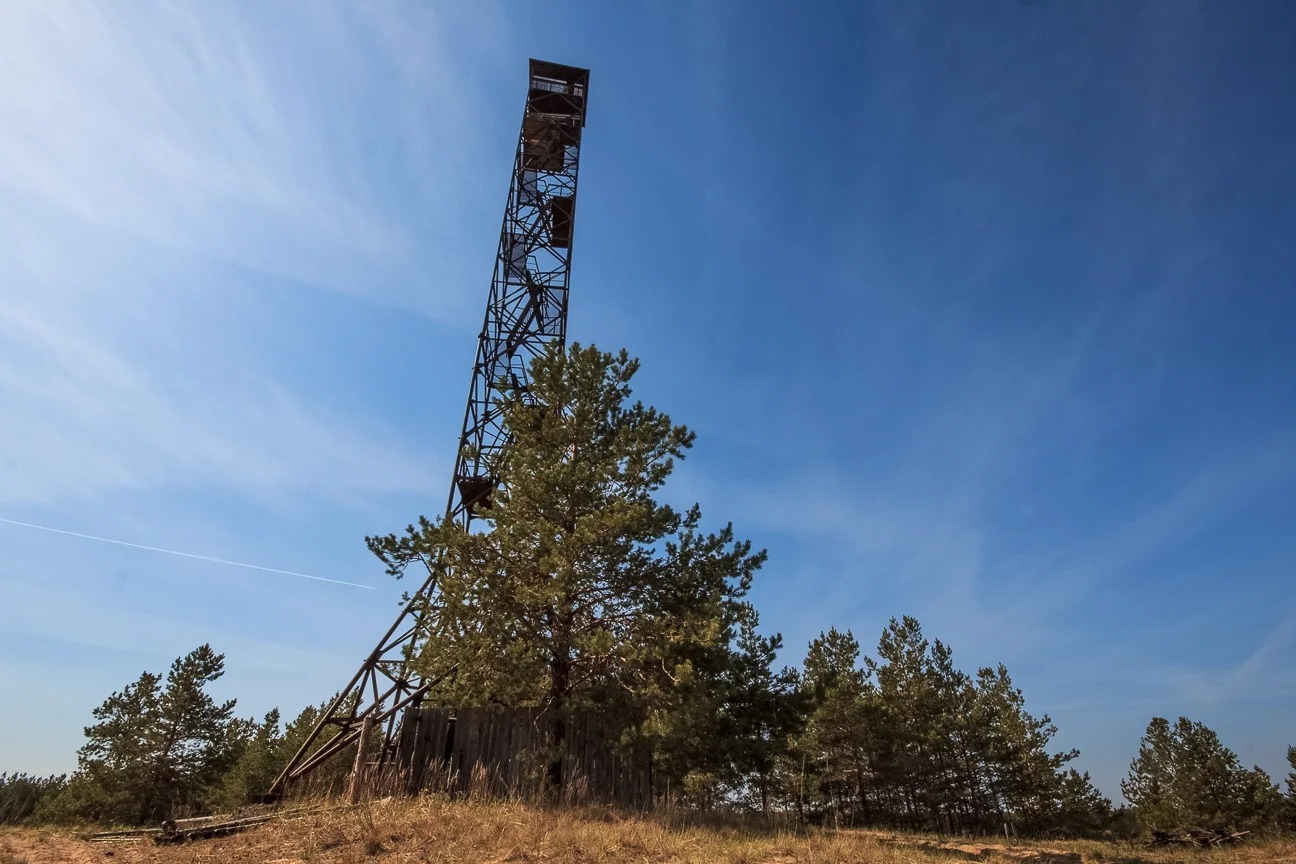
x=158 y=164
x=248 y=134
x=967 y=524
x=104 y=391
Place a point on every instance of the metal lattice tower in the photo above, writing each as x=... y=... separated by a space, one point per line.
x=525 y=314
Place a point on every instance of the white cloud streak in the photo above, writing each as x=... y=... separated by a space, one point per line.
x=182 y=554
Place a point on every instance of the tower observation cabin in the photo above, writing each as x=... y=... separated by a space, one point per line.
x=551 y=133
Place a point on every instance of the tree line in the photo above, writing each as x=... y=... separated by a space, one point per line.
x=590 y=594
x=162 y=747
x=902 y=741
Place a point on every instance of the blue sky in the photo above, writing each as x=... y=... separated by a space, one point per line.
x=983 y=313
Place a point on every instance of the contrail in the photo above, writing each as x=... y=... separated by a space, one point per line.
x=185 y=554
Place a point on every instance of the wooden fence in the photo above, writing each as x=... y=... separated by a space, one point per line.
x=504 y=751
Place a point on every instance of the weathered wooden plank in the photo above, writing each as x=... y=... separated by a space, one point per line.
x=464 y=718
x=472 y=747
x=425 y=752
x=501 y=758
x=485 y=750
x=490 y=753
x=410 y=724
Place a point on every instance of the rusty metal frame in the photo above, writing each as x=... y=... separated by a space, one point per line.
x=526 y=313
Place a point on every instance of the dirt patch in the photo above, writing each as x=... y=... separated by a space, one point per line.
x=1015 y=853
x=38 y=847
x=983 y=851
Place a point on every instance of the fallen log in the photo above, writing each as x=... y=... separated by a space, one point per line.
x=128 y=836
x=171 y=833
x=199 y=827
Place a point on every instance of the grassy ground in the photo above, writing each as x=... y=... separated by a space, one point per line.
x=435 y=830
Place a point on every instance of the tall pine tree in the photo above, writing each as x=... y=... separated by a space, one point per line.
x=586 y=591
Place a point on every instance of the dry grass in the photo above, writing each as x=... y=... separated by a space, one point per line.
x=433 y=829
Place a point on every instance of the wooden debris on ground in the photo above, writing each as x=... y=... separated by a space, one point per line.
x=1202 y=837
x=133 y=835
x=183 y=830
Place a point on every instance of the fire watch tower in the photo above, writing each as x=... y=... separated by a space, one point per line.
x=526 y=312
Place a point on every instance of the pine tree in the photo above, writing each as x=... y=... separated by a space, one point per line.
x=1082 y=809
x=1150 y=786
x=953 y=741
x=1184 y=776
x=22 y=794
x=1260 y=804
x=1024 y=777
x=905 y=691
x=762 y=709
x=910 y=740
x=260 y=756
x=156 y=748
x=829 y=763
x=832 y=663
x=1291 y=789
x=585 y=590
